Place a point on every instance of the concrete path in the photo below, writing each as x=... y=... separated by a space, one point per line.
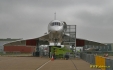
x=111 y=57
x=21 y=63
x=83 y=65
x=75 y=64
x=37 y=63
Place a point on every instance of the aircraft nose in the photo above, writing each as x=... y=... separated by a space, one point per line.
x=56 y=29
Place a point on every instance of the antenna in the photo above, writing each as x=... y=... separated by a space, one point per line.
x=55 y=15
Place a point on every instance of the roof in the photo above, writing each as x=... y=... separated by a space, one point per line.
x=9 y=39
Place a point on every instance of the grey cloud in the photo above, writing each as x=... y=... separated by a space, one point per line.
x=104 y=18
x=30 y=18
x=53 y=3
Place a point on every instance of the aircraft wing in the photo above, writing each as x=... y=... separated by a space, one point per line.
x=28 y=42
x=33 y=42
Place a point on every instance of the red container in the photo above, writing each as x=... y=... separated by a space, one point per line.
x=22 y=49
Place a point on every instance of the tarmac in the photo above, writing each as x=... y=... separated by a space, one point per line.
x=38 y=63
x=110 y=57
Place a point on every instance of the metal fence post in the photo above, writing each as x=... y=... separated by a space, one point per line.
x=93 y=59
x=108 y=64
x=87 y=57
x=111 y=65
x=84 y=56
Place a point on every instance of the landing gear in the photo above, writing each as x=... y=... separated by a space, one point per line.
x=55 y=42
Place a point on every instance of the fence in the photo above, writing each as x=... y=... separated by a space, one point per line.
x=100 y=52
x=97 y=61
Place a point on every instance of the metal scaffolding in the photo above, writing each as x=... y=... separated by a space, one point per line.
x=70 y=35
x=70 y=38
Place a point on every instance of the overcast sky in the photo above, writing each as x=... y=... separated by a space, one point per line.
x=30 y=18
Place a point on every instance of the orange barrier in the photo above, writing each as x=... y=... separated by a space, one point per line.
x=100 y=62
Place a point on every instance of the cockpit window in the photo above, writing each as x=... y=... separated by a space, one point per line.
x=56 y=24
x=59 y=24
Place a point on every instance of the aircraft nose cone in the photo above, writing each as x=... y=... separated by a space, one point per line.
x=56 y=29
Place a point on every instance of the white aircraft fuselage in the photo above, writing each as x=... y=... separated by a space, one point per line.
x=56 y=29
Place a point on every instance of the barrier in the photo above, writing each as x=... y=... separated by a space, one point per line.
x=98 y=61
x=92 y=59
x=107 y=63
x=103 y=59
x=111 y=66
